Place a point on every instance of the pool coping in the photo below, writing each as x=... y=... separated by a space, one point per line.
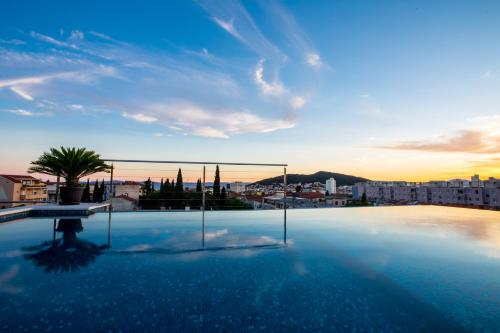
x=83 y=209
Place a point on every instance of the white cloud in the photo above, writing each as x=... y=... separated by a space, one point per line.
x=158 y=135
x=298 y=102
x=314 y=60
x=26 y=113
x=21 y=93
x=76 y=107
x=228 y=26
x=76 y=35
x=274 y=88
x=12 y=42
x=142 y=118
x=50 y=40
x=216 y=123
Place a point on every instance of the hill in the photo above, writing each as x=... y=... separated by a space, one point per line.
x=320 y=176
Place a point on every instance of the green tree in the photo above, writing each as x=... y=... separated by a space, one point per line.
x=96 y=195
x=86 y=192
x=179 y=185
x=217 y=182
x=147 y=186
x=198 y=185
x=69 y=163
x=364 y=200
x=162 y=187
x=102 y=191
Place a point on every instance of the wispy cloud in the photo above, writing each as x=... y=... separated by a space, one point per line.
x=201 y=121
x=23 y=94
x=314 y=60
x=142 y=118
x=235 y=20
x=26 y=113
x=142 y=80
x=274 y=88
x=12 y=42
x=466 y=141
x=229 y=27
x=288 y=26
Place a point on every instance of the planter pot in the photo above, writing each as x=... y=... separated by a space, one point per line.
x=71 y=195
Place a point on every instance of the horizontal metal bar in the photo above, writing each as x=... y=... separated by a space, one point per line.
x=194 y=162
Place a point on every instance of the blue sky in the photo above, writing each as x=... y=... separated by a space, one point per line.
x=381 y=89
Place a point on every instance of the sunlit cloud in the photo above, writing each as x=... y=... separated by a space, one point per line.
x=142 y=118
x=466 y=141
x=274 y=88
x=196 y=120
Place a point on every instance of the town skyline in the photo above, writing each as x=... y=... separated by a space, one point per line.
x=321 y=86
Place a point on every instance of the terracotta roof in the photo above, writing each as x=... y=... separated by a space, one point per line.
x=310 y=195
x=18 y=178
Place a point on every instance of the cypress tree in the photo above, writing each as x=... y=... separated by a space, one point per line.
x=95 y=194
x=179 y=185
x=102 y=191
x=223 y=194
x=217 y=183
x=162 y=187
x=86 y=192
x=167 y=187
x=198 y=185
x=147 y=186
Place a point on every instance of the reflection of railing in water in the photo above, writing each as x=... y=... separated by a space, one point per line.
x=210 y=249
x=70 y=253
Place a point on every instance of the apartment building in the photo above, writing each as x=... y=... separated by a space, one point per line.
x=21 y=188
x=460 y=192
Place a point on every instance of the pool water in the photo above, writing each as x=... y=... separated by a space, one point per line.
x=377 y=269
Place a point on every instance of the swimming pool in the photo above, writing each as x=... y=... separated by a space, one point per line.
x=377 y=269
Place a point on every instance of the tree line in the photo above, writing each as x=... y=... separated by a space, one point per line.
x=172 y=195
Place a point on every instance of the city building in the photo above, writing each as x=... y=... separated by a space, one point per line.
x=331 y=186
x=21 y=188
x=455 y=192
x=129 y=189
x=237 y=187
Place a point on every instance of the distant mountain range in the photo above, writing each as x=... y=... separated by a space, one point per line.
x=320 y=176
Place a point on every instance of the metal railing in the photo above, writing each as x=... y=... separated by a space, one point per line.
x=203 y=204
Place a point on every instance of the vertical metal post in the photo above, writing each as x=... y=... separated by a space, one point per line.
x=284 y=205
x=57 y=189
x=111 y=188
x=54 y=233
x=109 y=229
x=203 y=209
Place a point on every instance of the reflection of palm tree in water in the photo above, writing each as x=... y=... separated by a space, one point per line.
x=66 y=254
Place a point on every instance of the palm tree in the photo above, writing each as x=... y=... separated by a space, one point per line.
x=71 y=164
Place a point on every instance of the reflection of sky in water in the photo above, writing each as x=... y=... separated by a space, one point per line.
x=386 y=269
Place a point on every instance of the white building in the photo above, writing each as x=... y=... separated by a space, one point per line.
x=331 y=186
x=238 y=187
